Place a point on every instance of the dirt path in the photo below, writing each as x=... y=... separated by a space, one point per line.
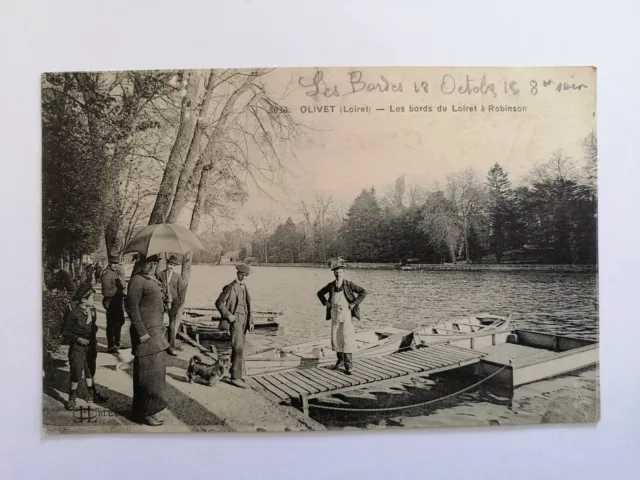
x=192 y=407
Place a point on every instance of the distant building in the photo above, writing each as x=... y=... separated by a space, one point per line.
x=230 y=258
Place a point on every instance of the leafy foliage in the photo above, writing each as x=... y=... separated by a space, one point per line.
x=90 y=123
x=287 y=243
x=73 y=184
x=54 y=306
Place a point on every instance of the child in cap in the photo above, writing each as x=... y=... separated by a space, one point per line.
x=79 y=331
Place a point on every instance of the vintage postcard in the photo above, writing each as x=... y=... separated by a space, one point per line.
x=292 y=249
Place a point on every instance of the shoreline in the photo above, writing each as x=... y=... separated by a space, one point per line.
x=448 y=267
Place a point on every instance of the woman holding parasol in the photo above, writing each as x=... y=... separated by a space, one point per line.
x=145 y=306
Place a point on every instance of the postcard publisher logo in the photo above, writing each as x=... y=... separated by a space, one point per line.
x=90 y=415
x=85 y=415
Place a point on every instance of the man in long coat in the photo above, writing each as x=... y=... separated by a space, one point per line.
x=234 y=304
x=175 y=292
x=113 y=292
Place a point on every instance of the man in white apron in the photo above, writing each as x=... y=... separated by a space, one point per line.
x=342 y=307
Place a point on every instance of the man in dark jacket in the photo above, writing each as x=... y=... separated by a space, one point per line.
x=174 y=300
x=234 y=304
x=61 y=280
x=98 y=272
x=113 y=286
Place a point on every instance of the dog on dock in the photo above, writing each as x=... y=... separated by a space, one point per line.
x=209 y=373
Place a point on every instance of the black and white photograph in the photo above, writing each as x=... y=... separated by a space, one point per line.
x=329 y=248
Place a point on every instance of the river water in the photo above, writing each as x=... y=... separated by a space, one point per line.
x=544 y=301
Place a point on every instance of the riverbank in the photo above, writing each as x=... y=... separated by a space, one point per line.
x=452 y=267
x=192 y=407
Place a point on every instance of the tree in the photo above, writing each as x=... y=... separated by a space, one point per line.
x=190 y=113
x=440 y=223
x=263 y=225
x=559 y=212
x=119 y=107
x=590 y=150
x=309 y=229
x=499 y=210
x=248 y=121
x=415 y=196
x=287 y=242
x=399 y=193
x=322 y=208
x=111 y=112
x=361 y=229
x=198 y=157
x=466 y=196
x=73 y=186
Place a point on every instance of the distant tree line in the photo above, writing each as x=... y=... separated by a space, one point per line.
x=551 y=217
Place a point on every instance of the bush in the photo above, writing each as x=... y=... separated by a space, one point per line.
x=54 y=305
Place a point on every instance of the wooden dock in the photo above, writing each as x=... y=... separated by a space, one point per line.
x=299 y=385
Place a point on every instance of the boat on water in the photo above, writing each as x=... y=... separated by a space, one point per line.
x=207 y=321
x=461 y=328
x=377 y=342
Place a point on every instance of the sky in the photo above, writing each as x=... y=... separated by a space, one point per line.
x=347 y=152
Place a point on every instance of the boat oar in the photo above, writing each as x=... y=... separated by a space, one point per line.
x=195 y=344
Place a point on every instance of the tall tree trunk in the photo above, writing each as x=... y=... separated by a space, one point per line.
x=186 y=128
x=452 y=252
x=466 y=240
x=200 y=160
x=72 y=270
x=114 y=230
x=193 y=154
x=198 y=208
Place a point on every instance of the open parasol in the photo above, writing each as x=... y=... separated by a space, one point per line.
x=163 y=237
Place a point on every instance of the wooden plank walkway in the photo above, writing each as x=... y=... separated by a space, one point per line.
x=300 y=385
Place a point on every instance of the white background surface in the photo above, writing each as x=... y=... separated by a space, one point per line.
x=98 y=35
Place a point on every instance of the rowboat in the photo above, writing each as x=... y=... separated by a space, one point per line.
x=460 y=329
x=207 y=321
x=377 y=342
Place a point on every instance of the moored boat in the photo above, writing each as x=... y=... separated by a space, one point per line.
x=207 y=322
x=460 y=329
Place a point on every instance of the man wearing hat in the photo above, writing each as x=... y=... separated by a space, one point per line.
x=113 y=285
x=174 y=299
x=234 y=304
x=61 y=280
x=342 y=299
